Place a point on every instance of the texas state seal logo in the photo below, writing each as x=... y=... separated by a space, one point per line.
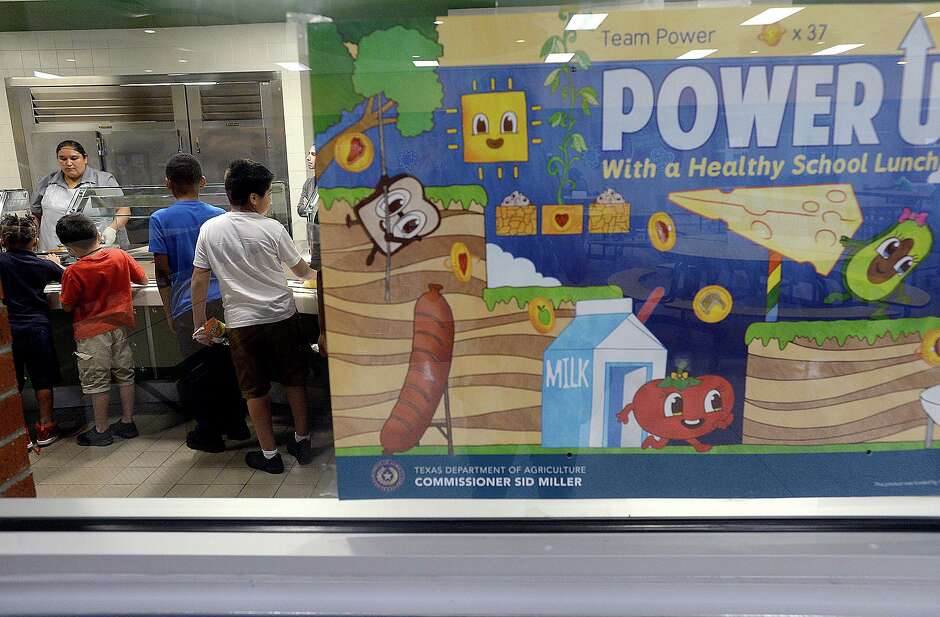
x=388 y=475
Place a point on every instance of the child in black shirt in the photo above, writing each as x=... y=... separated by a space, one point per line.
x=24 y=276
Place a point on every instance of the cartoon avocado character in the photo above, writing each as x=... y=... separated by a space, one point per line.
x=877 y=268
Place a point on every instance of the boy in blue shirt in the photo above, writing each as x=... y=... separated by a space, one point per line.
x=24 y=276
x=209 y=388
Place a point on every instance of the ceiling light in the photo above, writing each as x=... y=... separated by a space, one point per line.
x=772 y=16
x=558 y=58
x=902 y=61
x=172 y=83
x=42 y=75
x=148 y=70
x=753 y=51
x=148 y=31
x=423 y=63
x=182 y=60
x=520 y=40
x=293 y=66
x=71 y=60
x=695 y=54
x=310 y=19
x=838 y=49
x=585 y=21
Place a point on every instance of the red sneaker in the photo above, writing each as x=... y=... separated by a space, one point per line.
x=46 y=433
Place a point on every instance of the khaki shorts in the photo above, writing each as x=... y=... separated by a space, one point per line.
x=269 y=352
x=102 y=356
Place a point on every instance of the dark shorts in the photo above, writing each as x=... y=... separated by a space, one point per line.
x=34 y=355
x=269 y=352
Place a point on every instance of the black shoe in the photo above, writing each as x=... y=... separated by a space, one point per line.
x=238 y=432
x=301 y=450
x=126 y=430
x=199 y=440
x=256 y=460
x=92 y=437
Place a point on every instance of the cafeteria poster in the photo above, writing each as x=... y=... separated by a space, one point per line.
x=683 y=253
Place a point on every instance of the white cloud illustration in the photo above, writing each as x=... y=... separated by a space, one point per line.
x=504 y=270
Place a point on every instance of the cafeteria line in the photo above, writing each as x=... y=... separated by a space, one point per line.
x=161 y=462
x=155 y=360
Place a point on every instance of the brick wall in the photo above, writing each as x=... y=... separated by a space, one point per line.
x=16 y=477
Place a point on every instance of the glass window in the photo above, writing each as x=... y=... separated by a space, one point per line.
x=599 y=256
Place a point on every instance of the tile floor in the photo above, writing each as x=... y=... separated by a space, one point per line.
x=158 y=464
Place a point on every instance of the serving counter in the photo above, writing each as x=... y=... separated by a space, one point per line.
x=149 y=296
x=154 y=344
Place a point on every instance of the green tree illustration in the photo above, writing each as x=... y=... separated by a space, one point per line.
x=561 y=80
x=376 y=67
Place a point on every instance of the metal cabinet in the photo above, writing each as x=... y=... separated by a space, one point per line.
x=227 y=122
x=131 y=125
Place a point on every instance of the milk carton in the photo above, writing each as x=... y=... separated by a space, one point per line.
x=591 y=371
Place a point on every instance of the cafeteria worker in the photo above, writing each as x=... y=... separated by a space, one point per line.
x=55 y=191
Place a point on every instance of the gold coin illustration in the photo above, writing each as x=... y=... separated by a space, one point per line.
x=354 y=152
x=930 y=348
x=712 y=303
x=542 y=315
x=662 y=231
x=461 y=262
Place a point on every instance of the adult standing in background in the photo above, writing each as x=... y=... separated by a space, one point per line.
x=55 y=191
x=309 y=206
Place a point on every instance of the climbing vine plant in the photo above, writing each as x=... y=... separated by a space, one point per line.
x=561 y=80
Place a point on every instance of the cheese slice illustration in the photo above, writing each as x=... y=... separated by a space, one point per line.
x=802 y=223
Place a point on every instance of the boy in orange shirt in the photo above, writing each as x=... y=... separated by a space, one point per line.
x=97 y=289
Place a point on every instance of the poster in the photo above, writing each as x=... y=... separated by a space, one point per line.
x=675 y=255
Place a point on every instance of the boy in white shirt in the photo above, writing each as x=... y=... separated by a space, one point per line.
x=245 y=250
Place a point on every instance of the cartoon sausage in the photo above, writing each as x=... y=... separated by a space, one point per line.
x=432 y=349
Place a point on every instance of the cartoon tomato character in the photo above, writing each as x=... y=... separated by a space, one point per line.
x=681 y=407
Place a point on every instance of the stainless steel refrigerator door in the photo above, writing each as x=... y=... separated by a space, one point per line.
x=217 y=147
x=145 y=119
x=226 y=123
x=140 y=156
x=137 y=153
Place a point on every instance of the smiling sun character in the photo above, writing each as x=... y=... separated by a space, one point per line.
x=495 y=129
